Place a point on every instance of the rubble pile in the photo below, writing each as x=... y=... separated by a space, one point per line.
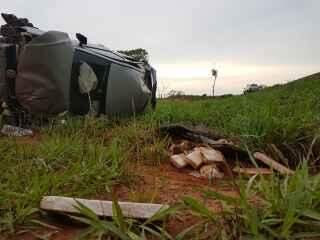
x=210 y=156
x=204 y=160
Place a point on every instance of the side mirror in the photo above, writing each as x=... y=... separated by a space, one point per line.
x=82 y=39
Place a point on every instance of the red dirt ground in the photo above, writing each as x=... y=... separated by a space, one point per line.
x=159 y=184
x=167 y=184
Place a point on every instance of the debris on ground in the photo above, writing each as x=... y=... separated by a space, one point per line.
x=99 y=207
x=14 y=131
x=210 y=172
x=272 y=163
x=252 y=171
x=179 y=160
x=201 y=135
x=181 y=148
x=203 y=159
x=213 y=156
x=195 y=158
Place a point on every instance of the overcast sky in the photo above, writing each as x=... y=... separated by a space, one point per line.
x=262 y=41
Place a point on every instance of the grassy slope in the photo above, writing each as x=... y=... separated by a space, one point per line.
x=85 y=157
x=277 y=114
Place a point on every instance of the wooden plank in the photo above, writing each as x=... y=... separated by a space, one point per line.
x=99 y=207
x=211 y=155
x=194 y=158
x=252 y=171
x=179 y=160
x=272 y=163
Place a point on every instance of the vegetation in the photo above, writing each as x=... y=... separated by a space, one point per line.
x=288 y=209
x=138 y=54
x=123 y=228
x=85 y=157
x=281 y=114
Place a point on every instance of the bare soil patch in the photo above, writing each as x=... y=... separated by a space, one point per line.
x=158 y=184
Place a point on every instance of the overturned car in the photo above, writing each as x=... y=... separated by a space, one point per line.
x=47 y=73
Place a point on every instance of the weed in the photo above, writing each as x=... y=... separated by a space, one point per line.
x=119 y=227
x=286 y=208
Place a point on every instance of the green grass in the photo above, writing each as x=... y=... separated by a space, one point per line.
x=86 y=157
x=274 y=115
x=287 y=209
x=119 y=227
x=65 y=162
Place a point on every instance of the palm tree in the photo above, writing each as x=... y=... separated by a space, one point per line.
x=214 y=73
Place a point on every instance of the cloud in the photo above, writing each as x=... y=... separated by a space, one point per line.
x=250 y=39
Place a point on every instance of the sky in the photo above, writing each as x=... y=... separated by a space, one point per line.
x=247 y=41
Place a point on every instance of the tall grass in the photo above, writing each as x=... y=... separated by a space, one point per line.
x=281 y=114
x=84 y=157
x=273 y=208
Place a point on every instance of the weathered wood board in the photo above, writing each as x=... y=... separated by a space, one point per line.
x=252 y=171
x=179 y=160
x=272 y=163
x=194 y=158
x=99 y=207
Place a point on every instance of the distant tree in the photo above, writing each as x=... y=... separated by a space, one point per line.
x=175 y=93
x=138 y=54
x=214 y=73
